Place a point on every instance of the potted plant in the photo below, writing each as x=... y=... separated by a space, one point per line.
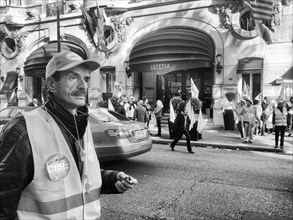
x=175 y=102
x=228 y=114
x=230 y=96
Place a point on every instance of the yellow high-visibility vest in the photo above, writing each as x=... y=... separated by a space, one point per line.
x=57 y=190
x=281 y=118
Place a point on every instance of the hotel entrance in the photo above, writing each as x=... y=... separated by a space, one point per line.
x=168 y=58
x=178 y=83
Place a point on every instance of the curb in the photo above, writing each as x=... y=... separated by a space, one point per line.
x=221 y=146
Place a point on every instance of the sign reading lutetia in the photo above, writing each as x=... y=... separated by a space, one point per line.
x=162 y=66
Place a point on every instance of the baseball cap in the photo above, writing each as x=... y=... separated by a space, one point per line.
x=243 y=100
x=248 y=99
x=67 y=60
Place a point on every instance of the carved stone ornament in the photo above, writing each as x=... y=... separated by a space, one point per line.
x=277 y=13
x=120 y=23
x=13 y=44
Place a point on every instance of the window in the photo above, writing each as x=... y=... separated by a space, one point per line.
x=247 y=21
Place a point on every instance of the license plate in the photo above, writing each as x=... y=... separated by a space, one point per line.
x=140 y=133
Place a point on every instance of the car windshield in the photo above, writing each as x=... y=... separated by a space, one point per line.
x=105 y=115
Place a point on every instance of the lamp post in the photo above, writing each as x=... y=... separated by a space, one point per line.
x=127 y=70
x=219 y=67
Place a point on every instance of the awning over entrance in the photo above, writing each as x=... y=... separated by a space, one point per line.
x=171 y=49
x=250 y=65
x=35 y=64
x=10 y=82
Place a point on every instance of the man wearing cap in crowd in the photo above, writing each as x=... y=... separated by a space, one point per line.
x=280 y=122
x=49 y=168
x=250 y=115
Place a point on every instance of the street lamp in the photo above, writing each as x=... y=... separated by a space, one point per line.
x=219 y=67
x=127 y=70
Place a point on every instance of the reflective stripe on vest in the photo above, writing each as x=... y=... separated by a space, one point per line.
x=61 y=205
x=280 y=118
x=66 y=198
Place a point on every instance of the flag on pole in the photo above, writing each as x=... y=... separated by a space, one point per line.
x=190 y=114
x=200 y=122
x=194 y=90
x=259 y=96
x=245 y=91
x=172 y=113
x=283 y=93
x=264 y=32
x=110 y=106
x=239 y=90
x=262 y=10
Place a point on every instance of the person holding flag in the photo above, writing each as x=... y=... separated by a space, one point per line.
x=200 y=121
x=181 y=124
x=250 y=115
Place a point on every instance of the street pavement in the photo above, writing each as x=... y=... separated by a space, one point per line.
x=218 y=137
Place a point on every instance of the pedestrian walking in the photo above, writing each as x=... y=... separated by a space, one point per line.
x=129 y=108
x=181 y=124
x=239 y=119
x=290 y=116
x=250 y=115
x=147 y=106
x=49 y=168
x=258 y=123
x=140 y=113
x=280 y=122
x=158 y=110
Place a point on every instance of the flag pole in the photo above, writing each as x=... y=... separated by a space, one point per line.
x=58 y=28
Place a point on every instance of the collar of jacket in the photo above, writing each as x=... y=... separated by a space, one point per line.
x=81 y=119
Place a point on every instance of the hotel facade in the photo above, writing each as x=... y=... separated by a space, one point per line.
x=148 y=48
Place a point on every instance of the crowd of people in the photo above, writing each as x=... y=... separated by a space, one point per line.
x=264 y=116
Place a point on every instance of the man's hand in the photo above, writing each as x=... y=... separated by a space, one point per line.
x=124 y=182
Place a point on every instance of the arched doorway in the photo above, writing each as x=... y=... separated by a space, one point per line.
x=172 y=56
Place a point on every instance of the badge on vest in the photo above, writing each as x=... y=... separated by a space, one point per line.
x=57 y=167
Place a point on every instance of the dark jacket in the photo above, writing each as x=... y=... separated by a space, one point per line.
x=17 y=167
x=179 y=122
x=140 y=114
x=158 y=111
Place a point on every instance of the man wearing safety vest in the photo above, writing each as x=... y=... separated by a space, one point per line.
x=48 y=165
x=280 y=122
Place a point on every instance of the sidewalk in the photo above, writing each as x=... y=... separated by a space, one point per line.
x=219 y=138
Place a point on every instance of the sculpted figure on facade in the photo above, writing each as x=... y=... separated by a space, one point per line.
x=120 y=26
x=277 y=13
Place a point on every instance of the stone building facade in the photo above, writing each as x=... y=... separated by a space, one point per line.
x=150 y=48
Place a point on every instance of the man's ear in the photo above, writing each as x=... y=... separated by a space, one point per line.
x=51 y=84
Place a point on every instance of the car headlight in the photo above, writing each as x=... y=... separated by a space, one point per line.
x=118 y=133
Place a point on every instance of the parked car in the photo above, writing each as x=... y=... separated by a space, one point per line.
x=6 y=114
x=115 y=136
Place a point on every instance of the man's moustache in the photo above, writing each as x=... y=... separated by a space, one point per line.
x=78 y=92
